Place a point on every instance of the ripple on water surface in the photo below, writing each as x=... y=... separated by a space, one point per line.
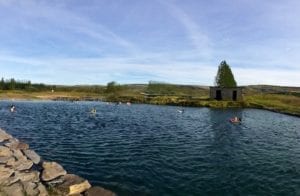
x=154 y=150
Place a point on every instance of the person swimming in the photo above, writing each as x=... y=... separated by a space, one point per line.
x=235 y=120
x=12 y=108
x=180 y=111
x=93 y=111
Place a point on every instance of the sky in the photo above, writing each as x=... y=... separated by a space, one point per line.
x=135 y=41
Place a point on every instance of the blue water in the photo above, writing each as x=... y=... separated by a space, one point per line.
x=155 y=150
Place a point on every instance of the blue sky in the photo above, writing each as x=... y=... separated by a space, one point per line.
x=134 y=41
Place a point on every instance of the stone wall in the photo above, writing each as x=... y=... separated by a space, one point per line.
x=24 y=173
x=226 y=93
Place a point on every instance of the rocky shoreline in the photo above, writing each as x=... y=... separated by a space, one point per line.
x=24 y=173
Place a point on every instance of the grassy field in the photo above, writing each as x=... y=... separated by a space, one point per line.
x=275 y=98
x=289 y=104
x=47 y=95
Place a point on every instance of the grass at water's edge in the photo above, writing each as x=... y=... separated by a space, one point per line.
x=287 y=104
x=283 y=103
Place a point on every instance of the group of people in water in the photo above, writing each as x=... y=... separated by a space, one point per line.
x=93 y=111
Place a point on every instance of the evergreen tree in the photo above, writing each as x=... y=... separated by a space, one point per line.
x=2 y=84
x=12 y=84
x=224 y=76
x=113 y=87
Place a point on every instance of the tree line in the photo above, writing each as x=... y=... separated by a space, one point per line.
x=13 y=84
x=26 y=85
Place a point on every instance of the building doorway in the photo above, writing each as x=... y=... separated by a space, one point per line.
x=234 y=95
x=218 y=95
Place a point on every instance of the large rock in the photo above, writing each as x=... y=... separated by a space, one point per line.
x=11 y=141
x=9 y=181
x=72 y=184
x=55 y=182
x=25 y=165
x=4 y=160
x=4 y=136
x=22 y=146
x=19 y=155
x=5 y=152
x=29 y=176
x=42 y=190
x=79 y=188
x=15 y=189
x=18 y=161
x=20 y=165
x=16 y=145
x=5 y=173
x=52 y=170
x=32 y=155
x=11 y=161
x=71 y=179
x=31 y=188
x=98 y=191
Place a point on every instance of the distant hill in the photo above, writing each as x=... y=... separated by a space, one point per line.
x=270 y=89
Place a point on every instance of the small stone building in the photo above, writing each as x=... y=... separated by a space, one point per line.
x=226 y=94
